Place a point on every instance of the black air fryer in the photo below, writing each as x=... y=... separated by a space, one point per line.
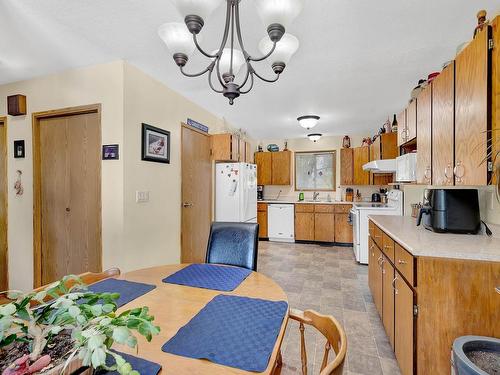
x=451 y=211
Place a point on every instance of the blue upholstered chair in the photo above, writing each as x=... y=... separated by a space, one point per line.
x=234 y=244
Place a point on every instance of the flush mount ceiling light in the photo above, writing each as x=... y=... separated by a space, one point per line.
x=315 y=137
x=278 y=46
x=308 y=122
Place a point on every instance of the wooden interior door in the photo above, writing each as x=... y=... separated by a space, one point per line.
x=4 y=282
x=70 y=195
x=443 y=126
x=196 y=194
x=403 y=325
x=424 y=136
x=471 y=112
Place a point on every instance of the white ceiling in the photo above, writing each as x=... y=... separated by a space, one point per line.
x=357 y=62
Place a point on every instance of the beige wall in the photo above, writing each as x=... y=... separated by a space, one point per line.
x=324 y=144
x=134 y=235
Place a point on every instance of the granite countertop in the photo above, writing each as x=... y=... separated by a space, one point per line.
x=424 y=243
x=292 y=201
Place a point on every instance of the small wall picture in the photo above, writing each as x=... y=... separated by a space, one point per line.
x=155 y=144
x=110 y=152
x=19 y=149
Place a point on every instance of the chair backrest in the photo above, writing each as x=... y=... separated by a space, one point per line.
x=336 y=340
x=234 y=244
x=86 y=277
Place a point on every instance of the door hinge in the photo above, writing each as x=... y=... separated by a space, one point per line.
x=415 y=310
x=491 y=43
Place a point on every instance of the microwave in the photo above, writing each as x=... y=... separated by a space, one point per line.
x=406 y=167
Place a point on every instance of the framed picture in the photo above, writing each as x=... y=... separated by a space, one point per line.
x=19 y=151
x=110 y=152
x=155 y=144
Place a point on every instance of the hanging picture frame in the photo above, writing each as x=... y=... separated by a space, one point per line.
x=155 y=144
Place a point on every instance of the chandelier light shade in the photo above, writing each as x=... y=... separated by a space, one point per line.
x=315 y=137
x=281 y=12
x=284 y=50
x=231 y=57
x=308 y=122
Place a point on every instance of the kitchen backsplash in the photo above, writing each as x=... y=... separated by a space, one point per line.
x=289 y=192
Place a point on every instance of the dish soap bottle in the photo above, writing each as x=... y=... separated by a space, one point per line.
x=301 y=196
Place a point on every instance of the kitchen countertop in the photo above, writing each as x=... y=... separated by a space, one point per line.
x=421 y=242
x=291 y=201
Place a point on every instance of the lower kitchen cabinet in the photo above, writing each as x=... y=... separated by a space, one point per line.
x=404 y=323
x=304 y=222
x=388 y=298
x=324 y=227
x=262 y=219
x=375 y=274
x=343 y=230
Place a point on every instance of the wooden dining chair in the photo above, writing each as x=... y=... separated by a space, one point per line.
x=336 y=341
x=233 y=244
x=86 y=277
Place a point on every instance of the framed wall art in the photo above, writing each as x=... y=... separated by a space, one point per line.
x=155 y=144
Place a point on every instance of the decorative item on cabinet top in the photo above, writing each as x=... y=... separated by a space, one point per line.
x=346 y=142
x=16 y=105
x=273 y=147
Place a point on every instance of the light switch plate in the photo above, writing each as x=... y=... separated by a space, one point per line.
x=141 y=196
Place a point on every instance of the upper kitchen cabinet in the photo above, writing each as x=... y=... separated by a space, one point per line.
x=281 y=167
x=346 y=166
x=273 y=168
x=388 y=145
x=225 y=147
x=471 y=112
x=264 y=167
x=495 y=96
x=361 y=157
x=401 y=119
x=443 y=130
x=424 y=136
x=411 y=121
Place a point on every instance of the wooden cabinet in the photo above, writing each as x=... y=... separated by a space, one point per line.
x=404 y=325
x=375 y=150
x=324 y=227
x=401 y=119
x=225 y=147
x=388 y=246
x=424 y=136
x=248 y=153
x=346 y=166
x=443 y=127
x=281 y=166
x=273 y=168
x=471 y=112
x=264 y=167
x=388 y=298
x=411 y=120
x=343 y=230
x=262 y=219
x=361 y=157
x=242 y=150
x=375 y=274
x=304 y=222
x=384 y=147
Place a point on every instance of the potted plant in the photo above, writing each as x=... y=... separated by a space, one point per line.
x=62 y=328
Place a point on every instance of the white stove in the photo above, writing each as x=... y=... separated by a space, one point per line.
x=359 y=217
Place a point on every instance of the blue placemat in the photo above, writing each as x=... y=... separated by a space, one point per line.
x=209 y=276
x=129 y=290
x=143 y=366
x=233 y=331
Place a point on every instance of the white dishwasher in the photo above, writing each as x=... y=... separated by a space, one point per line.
x=281 y=222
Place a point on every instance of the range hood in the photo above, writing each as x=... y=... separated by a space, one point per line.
x=381 y=166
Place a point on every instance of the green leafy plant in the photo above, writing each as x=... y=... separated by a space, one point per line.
x=36 y=321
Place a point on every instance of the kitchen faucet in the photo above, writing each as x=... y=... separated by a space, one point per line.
x=279 y=193
x=315 y=195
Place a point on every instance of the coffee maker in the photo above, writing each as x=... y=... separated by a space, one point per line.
x=260 y=192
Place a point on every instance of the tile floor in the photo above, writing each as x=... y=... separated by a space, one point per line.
x=328 y=279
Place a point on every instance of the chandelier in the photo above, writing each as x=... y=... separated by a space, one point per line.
x=227 y=61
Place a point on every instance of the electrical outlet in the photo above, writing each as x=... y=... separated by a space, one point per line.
x=141 y=196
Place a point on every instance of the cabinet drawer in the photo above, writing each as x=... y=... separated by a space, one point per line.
x=404 y=263
x=325 y=208
x=262 y=207
x=377 y=236
x=343 y=208
x=388 y=246
x=304 y=208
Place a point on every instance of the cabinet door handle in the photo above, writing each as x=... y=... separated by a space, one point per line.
x=400 y=261
x=447 y=169
x=427 y=173
x=394 y=284
x=459 y=171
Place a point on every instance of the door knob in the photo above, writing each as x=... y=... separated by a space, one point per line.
x=186 y=204
x=68 y=209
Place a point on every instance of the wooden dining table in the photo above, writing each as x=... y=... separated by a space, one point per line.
x=173 y=306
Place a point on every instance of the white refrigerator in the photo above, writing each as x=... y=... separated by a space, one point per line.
x=236 y=192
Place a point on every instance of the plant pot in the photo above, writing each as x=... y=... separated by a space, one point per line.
x=475 y=355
